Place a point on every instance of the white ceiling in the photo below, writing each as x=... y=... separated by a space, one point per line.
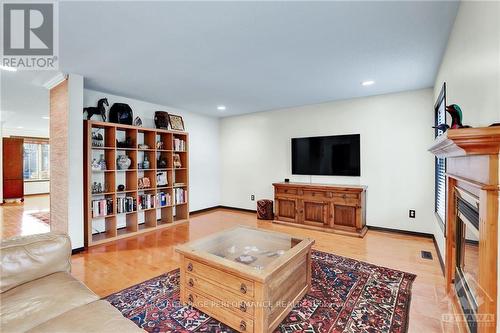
x=253 y=56
x=24 y=102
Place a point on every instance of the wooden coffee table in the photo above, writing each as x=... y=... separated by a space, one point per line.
x=247 y=278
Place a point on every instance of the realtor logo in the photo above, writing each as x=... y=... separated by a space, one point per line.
x=29 y=35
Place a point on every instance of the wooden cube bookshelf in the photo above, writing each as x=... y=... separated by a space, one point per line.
x=115 y=225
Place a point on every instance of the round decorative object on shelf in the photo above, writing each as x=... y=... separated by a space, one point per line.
x=121 y=187
x=123 y=162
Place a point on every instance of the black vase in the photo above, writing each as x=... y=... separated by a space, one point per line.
x=121 y=113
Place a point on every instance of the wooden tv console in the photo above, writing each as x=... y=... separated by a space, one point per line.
x=331 y=208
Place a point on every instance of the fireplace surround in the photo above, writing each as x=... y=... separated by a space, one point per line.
x=471 y=251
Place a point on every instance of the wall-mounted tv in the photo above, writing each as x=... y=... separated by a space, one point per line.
x=337 y=155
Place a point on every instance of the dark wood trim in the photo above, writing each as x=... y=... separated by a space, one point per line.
x=77 y=250
x=441 y=261
x=400 y=231
x=239 y=209
x=204 y=210
x=414 y=233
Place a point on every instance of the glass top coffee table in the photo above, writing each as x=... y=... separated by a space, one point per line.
x=247 y=278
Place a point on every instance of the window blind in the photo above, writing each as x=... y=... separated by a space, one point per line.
x=440 y=163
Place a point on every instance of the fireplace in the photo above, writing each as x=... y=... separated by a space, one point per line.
x=467 y=248
x=472 y=219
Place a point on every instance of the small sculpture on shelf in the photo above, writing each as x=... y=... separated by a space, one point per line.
x=143 y=146
x=159 y=145
x=145 y=163
x=97 y=188
x=137 y=121
x=144 y=182
x=97 y=138
x=99 y=110
x=456 y=119
x=95 y=165
x=121 y=187
x=177 y=161
x=123 y=162
x=456 y=116
x=127 y=143
x=161 y=163
x=102 y=163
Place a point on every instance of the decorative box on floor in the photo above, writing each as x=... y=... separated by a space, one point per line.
x=265 y=209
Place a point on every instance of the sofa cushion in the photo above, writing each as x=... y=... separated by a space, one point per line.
x=35 y=302
x=26 y=258
x=99 y=316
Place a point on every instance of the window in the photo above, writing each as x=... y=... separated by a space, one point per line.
x=36 y=157
x=440 y=163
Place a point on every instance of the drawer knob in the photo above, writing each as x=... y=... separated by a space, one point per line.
x=191 y=282
x=243 y=307
x=243 y=288
x=190 y=298
x=243 y=326
x=190 y=267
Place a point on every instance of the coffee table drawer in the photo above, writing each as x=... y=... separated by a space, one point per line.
x=213 y=308
x=239 y=285
x=237 y=303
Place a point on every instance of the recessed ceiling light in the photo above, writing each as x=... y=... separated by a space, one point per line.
x=46 y=117
x=8 y=68
x=19 y=127
x=367 y=83
x=221 y=107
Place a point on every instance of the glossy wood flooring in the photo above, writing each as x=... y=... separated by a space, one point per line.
x=15 y=218
x=109 y=268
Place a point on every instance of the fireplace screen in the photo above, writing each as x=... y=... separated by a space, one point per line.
x=467 y=263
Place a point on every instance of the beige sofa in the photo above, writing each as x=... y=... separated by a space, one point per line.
x=38 y=293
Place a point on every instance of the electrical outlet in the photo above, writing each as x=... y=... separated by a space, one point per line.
x=412 y=213
x=252 y=197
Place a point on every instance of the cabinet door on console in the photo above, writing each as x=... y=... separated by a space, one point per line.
x=344 y=216
x=314 y=212
x=286 y=209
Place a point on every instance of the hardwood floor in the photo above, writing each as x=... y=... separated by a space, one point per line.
x=15 y=218
x=112 y=267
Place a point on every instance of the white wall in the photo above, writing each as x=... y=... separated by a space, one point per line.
x=395 y=164
x=75 y=158
x=471 y=69
x=204 y=157
x=36 y=187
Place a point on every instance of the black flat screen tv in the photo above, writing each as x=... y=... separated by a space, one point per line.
x=336 y=155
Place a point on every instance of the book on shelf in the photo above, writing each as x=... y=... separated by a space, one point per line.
x=126 y=205
x=179 y=144
x=180 y=196
x=146 y=201
x=102 y=207
x=163 y=199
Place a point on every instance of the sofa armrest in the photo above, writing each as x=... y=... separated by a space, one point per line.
x=26 y=258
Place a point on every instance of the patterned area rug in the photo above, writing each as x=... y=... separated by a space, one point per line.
x=346 y=296
x=43 y=217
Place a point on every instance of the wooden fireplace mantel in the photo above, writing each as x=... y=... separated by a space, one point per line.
x=472 y=165
x=467 y=141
